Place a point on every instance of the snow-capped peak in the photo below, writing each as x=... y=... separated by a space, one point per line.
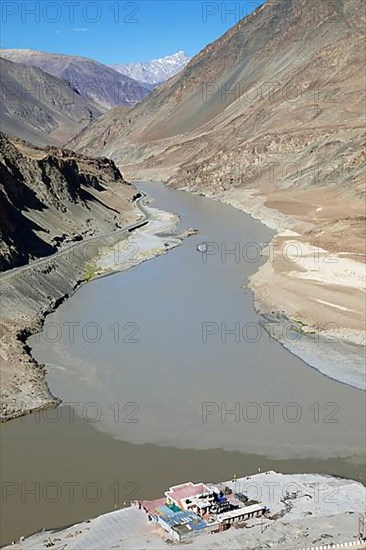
x=155 y=71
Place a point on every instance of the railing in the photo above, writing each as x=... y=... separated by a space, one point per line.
x=334 y=546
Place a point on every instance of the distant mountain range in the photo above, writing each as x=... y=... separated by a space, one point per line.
x=156 y=71
x=92 y=80
x=48 y=98
x=40 y=107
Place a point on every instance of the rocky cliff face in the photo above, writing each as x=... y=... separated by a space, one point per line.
x=52 y=197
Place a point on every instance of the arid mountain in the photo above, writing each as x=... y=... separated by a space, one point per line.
x=40 y=107
x=289 y=73
x=52 y=197
x=270 y=118
x=91 y=80
x=156 y=71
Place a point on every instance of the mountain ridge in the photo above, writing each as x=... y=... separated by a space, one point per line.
x=40 y=107
x=92 y=80
x=224 y=86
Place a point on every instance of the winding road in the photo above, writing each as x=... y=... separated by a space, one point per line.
x=41 y=261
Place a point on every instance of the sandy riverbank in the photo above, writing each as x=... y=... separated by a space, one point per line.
x=149 y=241
x=311 y=289
x=30 y=293
x=314 y=286
x=306 y=510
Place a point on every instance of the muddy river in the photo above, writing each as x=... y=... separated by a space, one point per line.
x=167 y=375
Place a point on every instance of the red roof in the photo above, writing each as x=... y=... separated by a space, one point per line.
x=181 y=492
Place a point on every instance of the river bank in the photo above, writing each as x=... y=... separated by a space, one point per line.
x=313 y=293
x=305 y=510
x=311 y=289
x=30 y=293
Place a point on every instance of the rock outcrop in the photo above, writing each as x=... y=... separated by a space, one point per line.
x=52 y=197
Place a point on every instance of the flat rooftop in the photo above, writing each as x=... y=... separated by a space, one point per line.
x=186 y=490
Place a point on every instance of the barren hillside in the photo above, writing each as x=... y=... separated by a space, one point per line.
x=91 y=80
x=40 y=107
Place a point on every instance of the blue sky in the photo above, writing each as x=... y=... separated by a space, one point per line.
x=118 y=31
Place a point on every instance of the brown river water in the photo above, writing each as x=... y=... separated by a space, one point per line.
x=167 y=375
